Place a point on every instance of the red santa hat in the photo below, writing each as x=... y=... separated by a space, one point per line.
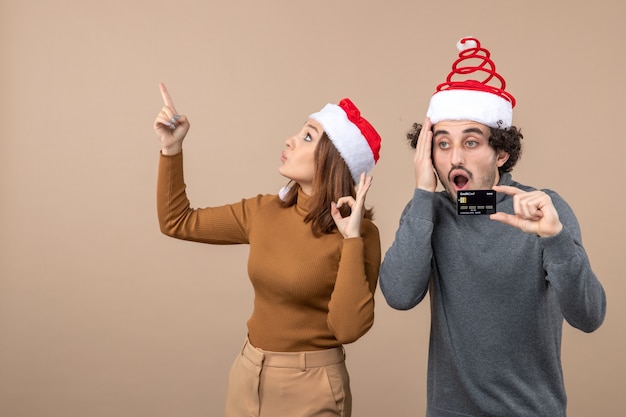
x=354 y=137
x=468 y=92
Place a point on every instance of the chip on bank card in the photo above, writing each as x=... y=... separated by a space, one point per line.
x=476 y=202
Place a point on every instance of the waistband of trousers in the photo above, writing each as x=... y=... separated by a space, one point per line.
x=299 y=360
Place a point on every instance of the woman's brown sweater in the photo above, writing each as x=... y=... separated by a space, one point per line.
x=310 y=293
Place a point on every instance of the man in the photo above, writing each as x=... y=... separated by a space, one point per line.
x=500 y=284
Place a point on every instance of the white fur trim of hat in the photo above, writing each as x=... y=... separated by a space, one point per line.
x=478 y=106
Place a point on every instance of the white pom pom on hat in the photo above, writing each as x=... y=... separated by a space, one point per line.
x=354 y=137
x=473 y=97
x=469 y=43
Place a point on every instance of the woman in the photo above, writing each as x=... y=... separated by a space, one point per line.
x=313 y=262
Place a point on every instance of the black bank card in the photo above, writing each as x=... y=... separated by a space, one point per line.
x=476 y=202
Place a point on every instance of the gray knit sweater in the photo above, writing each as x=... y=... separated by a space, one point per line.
x=498 y=299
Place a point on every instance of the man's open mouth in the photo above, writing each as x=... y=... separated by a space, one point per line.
x=460 y=179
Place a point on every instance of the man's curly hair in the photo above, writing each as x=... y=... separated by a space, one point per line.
x=507 y=140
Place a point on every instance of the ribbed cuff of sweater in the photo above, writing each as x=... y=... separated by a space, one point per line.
x=559 y=248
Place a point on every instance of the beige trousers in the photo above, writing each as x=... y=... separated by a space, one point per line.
x=286 y=384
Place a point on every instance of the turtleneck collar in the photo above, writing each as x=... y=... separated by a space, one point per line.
x=304 y=202
x=505 y=179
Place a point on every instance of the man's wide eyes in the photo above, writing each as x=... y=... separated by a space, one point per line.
x=470 y=144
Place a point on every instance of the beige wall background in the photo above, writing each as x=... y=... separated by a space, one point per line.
x=101 y=315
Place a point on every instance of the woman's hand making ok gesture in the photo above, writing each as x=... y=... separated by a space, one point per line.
x=350 y=226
